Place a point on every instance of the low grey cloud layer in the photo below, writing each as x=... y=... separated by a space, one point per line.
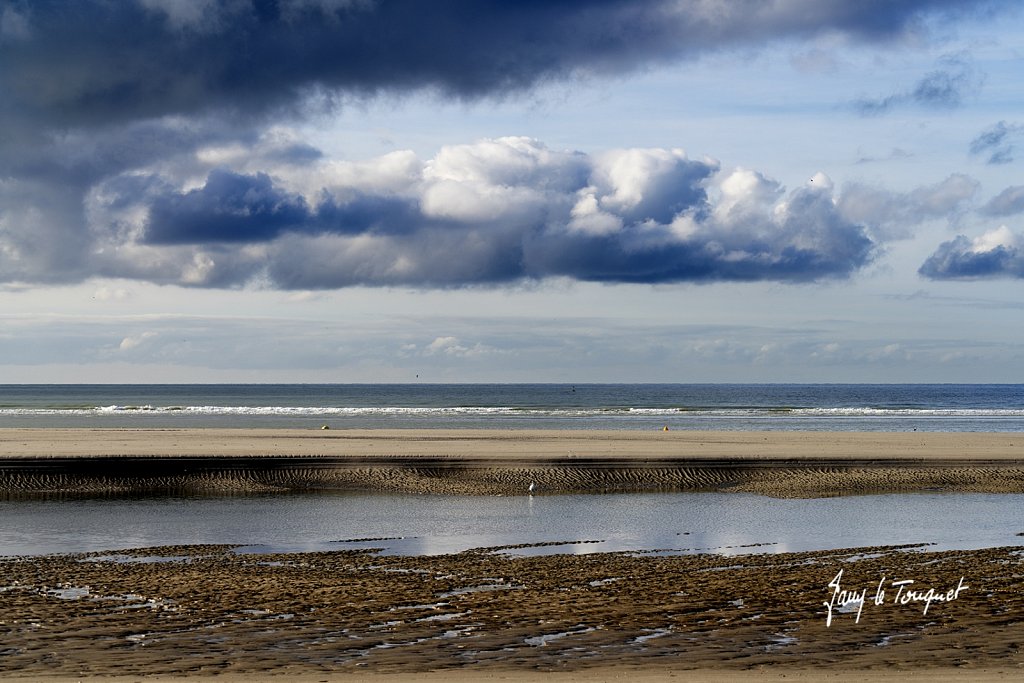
x=145 y=147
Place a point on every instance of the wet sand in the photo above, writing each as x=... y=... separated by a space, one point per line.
x=488 y=615
x=179 y=612
x=493 y=462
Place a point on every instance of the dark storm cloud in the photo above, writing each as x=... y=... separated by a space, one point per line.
x=997 y=253
x=366 y=213
x=234 y=207
x=108 y=108
x=998 y=142
x=944 y=88
x=47 y=178
x=615 y=259
x=91 y=61
x=229 y=208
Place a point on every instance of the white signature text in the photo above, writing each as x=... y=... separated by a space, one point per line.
x=842 y=600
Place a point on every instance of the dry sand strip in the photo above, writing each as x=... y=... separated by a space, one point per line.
x=493 y=462
x=487 y=615
x=504 y=445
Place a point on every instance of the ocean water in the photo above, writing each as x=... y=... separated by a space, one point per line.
x=838 y=407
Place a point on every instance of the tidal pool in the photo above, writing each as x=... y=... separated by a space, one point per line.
x=725 y=523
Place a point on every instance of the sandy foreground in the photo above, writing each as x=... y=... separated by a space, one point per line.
x=491 y=615
x=494 y=462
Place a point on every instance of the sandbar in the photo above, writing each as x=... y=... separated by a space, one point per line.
x=505 y=462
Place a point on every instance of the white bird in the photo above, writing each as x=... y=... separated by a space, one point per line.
x=530 y=490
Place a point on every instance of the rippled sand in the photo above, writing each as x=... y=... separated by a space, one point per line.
x=203 y=610
x=505 y=462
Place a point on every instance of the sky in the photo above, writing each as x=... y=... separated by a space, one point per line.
x=520 y=191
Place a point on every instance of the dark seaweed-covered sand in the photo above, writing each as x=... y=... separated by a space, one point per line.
x=322 y=616
x=496 y=462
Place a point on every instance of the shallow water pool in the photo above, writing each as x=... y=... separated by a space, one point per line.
x=728 y=523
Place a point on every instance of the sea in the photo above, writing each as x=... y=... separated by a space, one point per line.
x=662 y=522
x=801 y=407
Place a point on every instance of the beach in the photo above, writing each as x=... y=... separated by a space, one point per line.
x=505 y=462
x=490 y=615
x=499 y=613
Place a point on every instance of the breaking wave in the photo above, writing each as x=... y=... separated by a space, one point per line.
x=515 y=411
